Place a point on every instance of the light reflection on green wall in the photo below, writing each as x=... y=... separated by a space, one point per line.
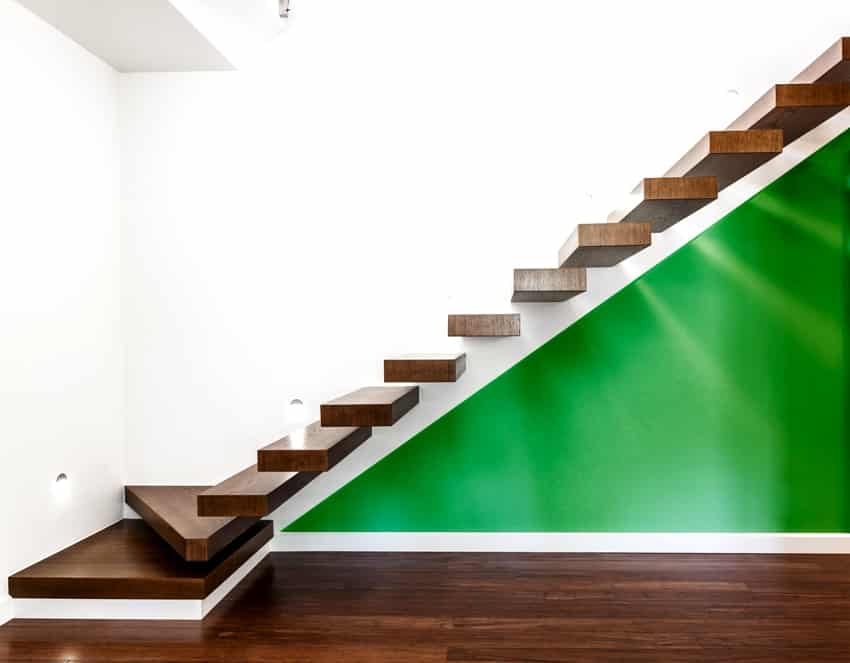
x=709 y=395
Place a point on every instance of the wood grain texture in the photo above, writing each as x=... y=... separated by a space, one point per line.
x=729 y=155
x=252 y=493
x=370 y=406
x=506 y=607
x=668 y=200
x=604 y=244
x=312 y=449
x=425 y=368
x=795 y=108
x=833 y=66
x=485 y=325
x=548 y=285
x=172 y=512
x=128 y=560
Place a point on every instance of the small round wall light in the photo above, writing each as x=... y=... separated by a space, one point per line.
x=296 y=413
x=61 y=487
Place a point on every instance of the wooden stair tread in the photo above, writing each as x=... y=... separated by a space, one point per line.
x=548 y=285
x=425 y=367
x=668 y=200
x=832 y=66
x=484 y=325
x=370 y=406
x=252 y=493
x=128 y=560
x=604 y=244
x=796 y=108
x=311 y=449
x=172 y=512
x=729 y=155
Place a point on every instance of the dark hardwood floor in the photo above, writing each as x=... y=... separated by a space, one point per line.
x=344 y=607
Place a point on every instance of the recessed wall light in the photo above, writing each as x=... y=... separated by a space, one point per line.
x=61 y=487
x=296 y=413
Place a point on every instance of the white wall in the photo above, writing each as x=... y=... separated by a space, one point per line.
x=61 y=355
x=288 y=226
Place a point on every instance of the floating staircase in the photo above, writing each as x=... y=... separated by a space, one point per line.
x=425 y=368
x=370 y=406
x=548 y=285
x=667 y=200
x=486 y=325
x=172 y=512
x=796 y=108
x=311 y=449
x=604 y=244
x=193 y=537
x=729 y=155
x=251 y=493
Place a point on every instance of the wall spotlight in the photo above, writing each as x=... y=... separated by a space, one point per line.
x=296 y=412
x=61 y=486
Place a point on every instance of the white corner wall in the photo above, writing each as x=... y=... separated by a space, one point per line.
x=61 y=354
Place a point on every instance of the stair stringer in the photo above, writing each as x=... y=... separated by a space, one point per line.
x=489 y=358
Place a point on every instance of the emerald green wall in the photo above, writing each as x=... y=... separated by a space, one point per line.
x=708 y=395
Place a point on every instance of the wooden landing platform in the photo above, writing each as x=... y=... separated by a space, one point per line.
x=128 y=560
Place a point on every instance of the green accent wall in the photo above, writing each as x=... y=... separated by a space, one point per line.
x=708 y=395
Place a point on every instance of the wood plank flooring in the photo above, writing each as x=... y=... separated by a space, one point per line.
x=331 y=607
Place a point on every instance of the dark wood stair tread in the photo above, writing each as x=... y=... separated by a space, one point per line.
x=370 y=406
x=484 y=324
x=425 y=368
x=668 y=200
x=252 y=493
x=604 y=244
x=796 y=108
x=729 y=155
x=832 y=66
x=548 y=285
x=128 y=560
x=172 y=512
x=311 y=449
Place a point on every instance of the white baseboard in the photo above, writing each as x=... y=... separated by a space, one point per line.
x=135 y=608
x=579 y=542
x=107 y=609
x=6 y=613
x=228 y=585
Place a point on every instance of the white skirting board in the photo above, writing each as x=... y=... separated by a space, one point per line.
x=579 y=542
x=5 y=611
x=134 y=608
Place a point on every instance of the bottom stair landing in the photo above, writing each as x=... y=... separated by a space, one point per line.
x=128 y=560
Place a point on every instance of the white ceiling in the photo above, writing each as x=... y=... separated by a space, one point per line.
x=133 y=35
